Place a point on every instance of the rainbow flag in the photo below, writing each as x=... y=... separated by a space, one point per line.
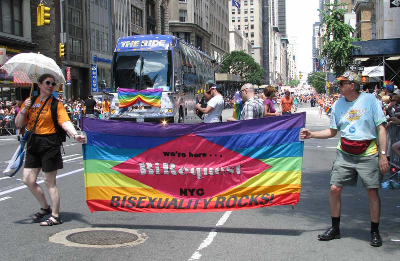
x=237 y=106
x=129 y=97
x=328 y=110
x=149 y=167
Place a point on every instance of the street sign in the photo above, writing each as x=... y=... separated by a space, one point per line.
x=94 y=78
x=352 y=67
x=355 y=67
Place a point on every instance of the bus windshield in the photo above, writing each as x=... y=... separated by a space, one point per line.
x=141 y=70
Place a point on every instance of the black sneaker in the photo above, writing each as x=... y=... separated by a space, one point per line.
x=331 y=233
x=376 y=240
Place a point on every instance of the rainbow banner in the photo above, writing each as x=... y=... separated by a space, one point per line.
x=129 y=97
x=149 y=167
x=237 y=106
x=328 y=110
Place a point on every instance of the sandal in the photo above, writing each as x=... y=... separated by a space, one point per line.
x=38 y=216
x=52 y=221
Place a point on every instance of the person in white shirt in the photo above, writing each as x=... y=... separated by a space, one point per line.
x=213 y=111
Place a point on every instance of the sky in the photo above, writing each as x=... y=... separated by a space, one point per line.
x=300 y=17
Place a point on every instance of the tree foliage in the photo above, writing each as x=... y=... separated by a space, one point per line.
x=338 y=38
x=240 y=63
x=293 y=83
x=317 y=80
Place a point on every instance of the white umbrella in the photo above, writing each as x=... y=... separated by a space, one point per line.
x=33 y=65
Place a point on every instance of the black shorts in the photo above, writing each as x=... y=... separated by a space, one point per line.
x=44 y=151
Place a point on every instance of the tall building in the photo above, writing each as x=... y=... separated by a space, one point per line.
x=248 y=19
x=315 y=47
x=387 y=19
x=204 y=24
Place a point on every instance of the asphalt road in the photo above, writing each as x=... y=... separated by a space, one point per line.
x=275 y=233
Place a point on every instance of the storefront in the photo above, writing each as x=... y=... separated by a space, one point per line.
x=100 y=73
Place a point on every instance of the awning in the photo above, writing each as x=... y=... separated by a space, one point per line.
x=21 y=79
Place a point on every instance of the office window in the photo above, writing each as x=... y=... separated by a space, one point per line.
x=252 y=34
x=245 y=2
x=137 y=16
x=252 y=26
x=246 y=35
x=245 y=11
x=252 y=42
x=246 y=27
x=238 y=19
x=251 y=2
x=11 y=17
x=233 y=19
x=238 y=27
x=233 y=11
x=252 y=10
x=182 y=16
x=246 y=19
x=251 y=18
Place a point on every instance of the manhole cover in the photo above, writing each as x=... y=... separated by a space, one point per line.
x=102 y=237
x=99 y=237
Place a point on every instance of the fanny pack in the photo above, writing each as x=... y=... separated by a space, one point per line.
x=355 y=147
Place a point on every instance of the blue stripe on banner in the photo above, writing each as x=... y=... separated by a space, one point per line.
x=279 y=151
x=129 y=142
x=250 y=140
x=112 y=154
x=118 y=154
x=233 y=142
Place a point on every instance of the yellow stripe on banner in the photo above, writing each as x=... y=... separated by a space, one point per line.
x=273 y=178
x=111 y=180
x=262 y=179
x=106 y=193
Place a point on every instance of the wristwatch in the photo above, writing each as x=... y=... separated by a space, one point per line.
x=382 y=152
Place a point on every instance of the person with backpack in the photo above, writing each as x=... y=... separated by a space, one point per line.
x=48 y=125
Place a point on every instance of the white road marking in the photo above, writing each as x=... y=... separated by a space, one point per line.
x=5 y=178
x=197 y=255
x=4 y=198
x=73 y=155
x=39 y=182
x=73 y=159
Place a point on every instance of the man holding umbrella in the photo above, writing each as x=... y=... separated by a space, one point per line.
x=44 y=147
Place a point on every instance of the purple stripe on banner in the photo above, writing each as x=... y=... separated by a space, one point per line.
x=296 y=120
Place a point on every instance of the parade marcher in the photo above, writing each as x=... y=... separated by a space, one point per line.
x=105 y=109
x=287 y=104
x=90 y=103
x=44 y=147
x=269 y=109
x=215 y=106
x=253 y=107
x=361 y=121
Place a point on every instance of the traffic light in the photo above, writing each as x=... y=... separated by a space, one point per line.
x=301 y=76
x=61 y=50
x=43 y=15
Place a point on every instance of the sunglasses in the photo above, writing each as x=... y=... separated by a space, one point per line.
x=49 y=82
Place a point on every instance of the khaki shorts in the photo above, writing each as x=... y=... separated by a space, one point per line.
x=347 y=168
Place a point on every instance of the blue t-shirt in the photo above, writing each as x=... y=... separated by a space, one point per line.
x=357 y=120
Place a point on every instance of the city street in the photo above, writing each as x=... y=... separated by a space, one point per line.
x=275 y=233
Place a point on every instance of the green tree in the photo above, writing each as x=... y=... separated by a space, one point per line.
x=317 y=80
x=293 y=83
x=338 y=38
x=240 y=63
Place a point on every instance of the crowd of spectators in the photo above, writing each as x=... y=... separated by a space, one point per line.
x=74 y=108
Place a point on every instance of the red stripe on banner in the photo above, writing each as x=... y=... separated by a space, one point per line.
x=21 y=79
x=155 y=205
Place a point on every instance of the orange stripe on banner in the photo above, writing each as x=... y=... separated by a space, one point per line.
x=182 y=205
x=100 y=193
